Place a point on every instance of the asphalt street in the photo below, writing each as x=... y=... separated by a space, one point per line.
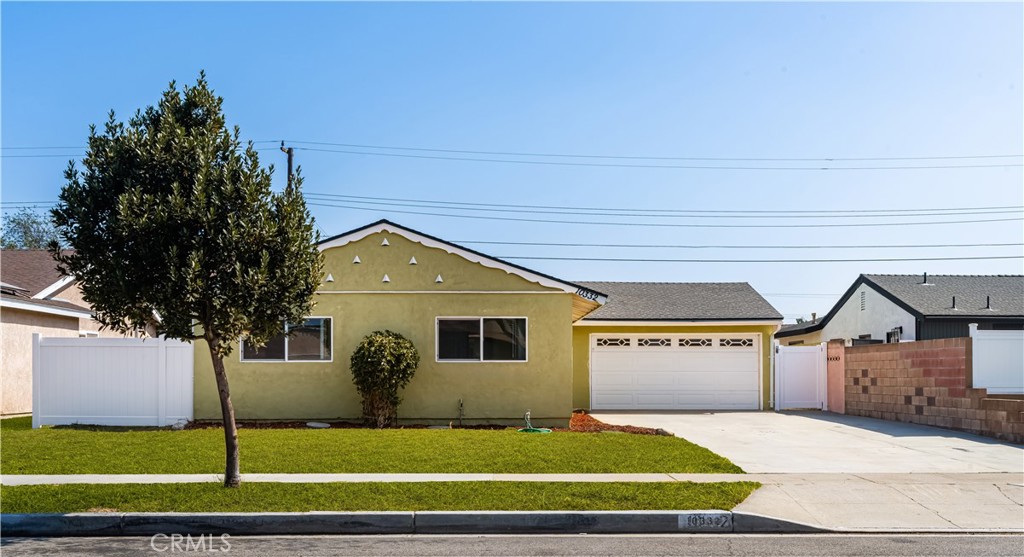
x=804 y=545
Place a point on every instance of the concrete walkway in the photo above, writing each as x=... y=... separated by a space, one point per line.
x=851 y=502
x=822 y=442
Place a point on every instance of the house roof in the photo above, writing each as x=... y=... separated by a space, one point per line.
x=385 y=225
x=31 y=280
x=31 y=269
x=1004 y=293
x=792 y=328
x=681 y=301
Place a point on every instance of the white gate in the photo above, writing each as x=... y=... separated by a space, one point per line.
x=800 y=377
x=110 y=381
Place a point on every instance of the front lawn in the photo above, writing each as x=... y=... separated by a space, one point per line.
x=121 y=451
x=435 y=496
x=62 y=450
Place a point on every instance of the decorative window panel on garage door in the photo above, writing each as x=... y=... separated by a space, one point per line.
x=675 y=372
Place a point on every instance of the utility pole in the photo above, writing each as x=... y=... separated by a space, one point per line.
x=291 y=154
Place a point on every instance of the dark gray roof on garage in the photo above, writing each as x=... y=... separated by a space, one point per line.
x=680 y=301
x=1004 y=294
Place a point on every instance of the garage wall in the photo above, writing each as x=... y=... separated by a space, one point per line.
x=581 y=352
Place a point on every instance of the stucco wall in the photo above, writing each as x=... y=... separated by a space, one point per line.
x=16 y=328
x=581 y=353
x=409 y=304
x=73 y=294
x=879 y=316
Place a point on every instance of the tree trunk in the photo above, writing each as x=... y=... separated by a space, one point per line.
x=232 y=477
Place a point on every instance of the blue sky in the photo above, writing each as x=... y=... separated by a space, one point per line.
x=814 y=81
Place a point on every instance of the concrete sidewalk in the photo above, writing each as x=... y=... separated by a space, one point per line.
x=892 y=502
x=841 y=502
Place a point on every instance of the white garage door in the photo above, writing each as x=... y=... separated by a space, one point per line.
x=674 y=372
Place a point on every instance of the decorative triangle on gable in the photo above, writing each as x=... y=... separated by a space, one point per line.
x=357 y=260
x=330 y=278
x=413 y=260
x=387 y=227
x=386 y=278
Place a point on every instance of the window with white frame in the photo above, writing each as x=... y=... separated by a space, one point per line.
x=487 y=339
x=309 y=341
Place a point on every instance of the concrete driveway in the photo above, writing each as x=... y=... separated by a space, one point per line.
x=826 y=443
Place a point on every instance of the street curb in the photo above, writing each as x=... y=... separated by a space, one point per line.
x=424 y=522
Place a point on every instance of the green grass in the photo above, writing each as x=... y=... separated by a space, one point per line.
x=465 y=496
x=160 y=451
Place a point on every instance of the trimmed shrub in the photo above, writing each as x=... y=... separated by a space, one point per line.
x=383 y=363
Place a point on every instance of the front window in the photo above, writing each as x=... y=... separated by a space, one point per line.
x=488 y=339
x=309 y=341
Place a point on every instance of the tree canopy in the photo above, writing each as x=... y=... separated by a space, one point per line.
x=171 y=215
x=171 y=218
x=27 y=229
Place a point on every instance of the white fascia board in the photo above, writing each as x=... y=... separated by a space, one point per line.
x=28 y=306
x=55 y=287
x=467 y=255
x=598 y=323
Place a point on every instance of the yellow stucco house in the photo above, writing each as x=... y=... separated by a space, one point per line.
x=497 y=340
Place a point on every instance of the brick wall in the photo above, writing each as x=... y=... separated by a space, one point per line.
x=927 y=382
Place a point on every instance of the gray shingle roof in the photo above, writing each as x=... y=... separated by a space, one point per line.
x=30 y=272
x=680 y=301
x=936 y=300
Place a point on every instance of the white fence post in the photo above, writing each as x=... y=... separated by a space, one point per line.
x=36 y=387
x=161 y=386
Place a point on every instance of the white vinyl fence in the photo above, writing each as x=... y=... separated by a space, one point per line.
x=110 y=381
x=800 y=377
x=998 y=360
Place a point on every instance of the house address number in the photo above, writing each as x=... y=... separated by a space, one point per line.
x=705 y=521
x=586 y=294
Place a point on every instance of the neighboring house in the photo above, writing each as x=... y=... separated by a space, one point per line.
x=894 y=308
x=497 y=340
x=34 y=298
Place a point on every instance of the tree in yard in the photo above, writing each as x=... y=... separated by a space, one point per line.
x=172 y=220
x=383 y=363
x=27 y=229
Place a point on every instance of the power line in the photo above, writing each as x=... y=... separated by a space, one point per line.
x=635 y=157
x=40 y=148
x=666 y=225
x=82 y=154
x=823 y=211
x=639 y=260
x=685 y=246
x=592 y=156
x=952 y=211
x=773 y=295
x=327 y=197
x=649 y=166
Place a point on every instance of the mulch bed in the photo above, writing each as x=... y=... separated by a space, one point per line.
x=580 y=422
x=585 y=423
